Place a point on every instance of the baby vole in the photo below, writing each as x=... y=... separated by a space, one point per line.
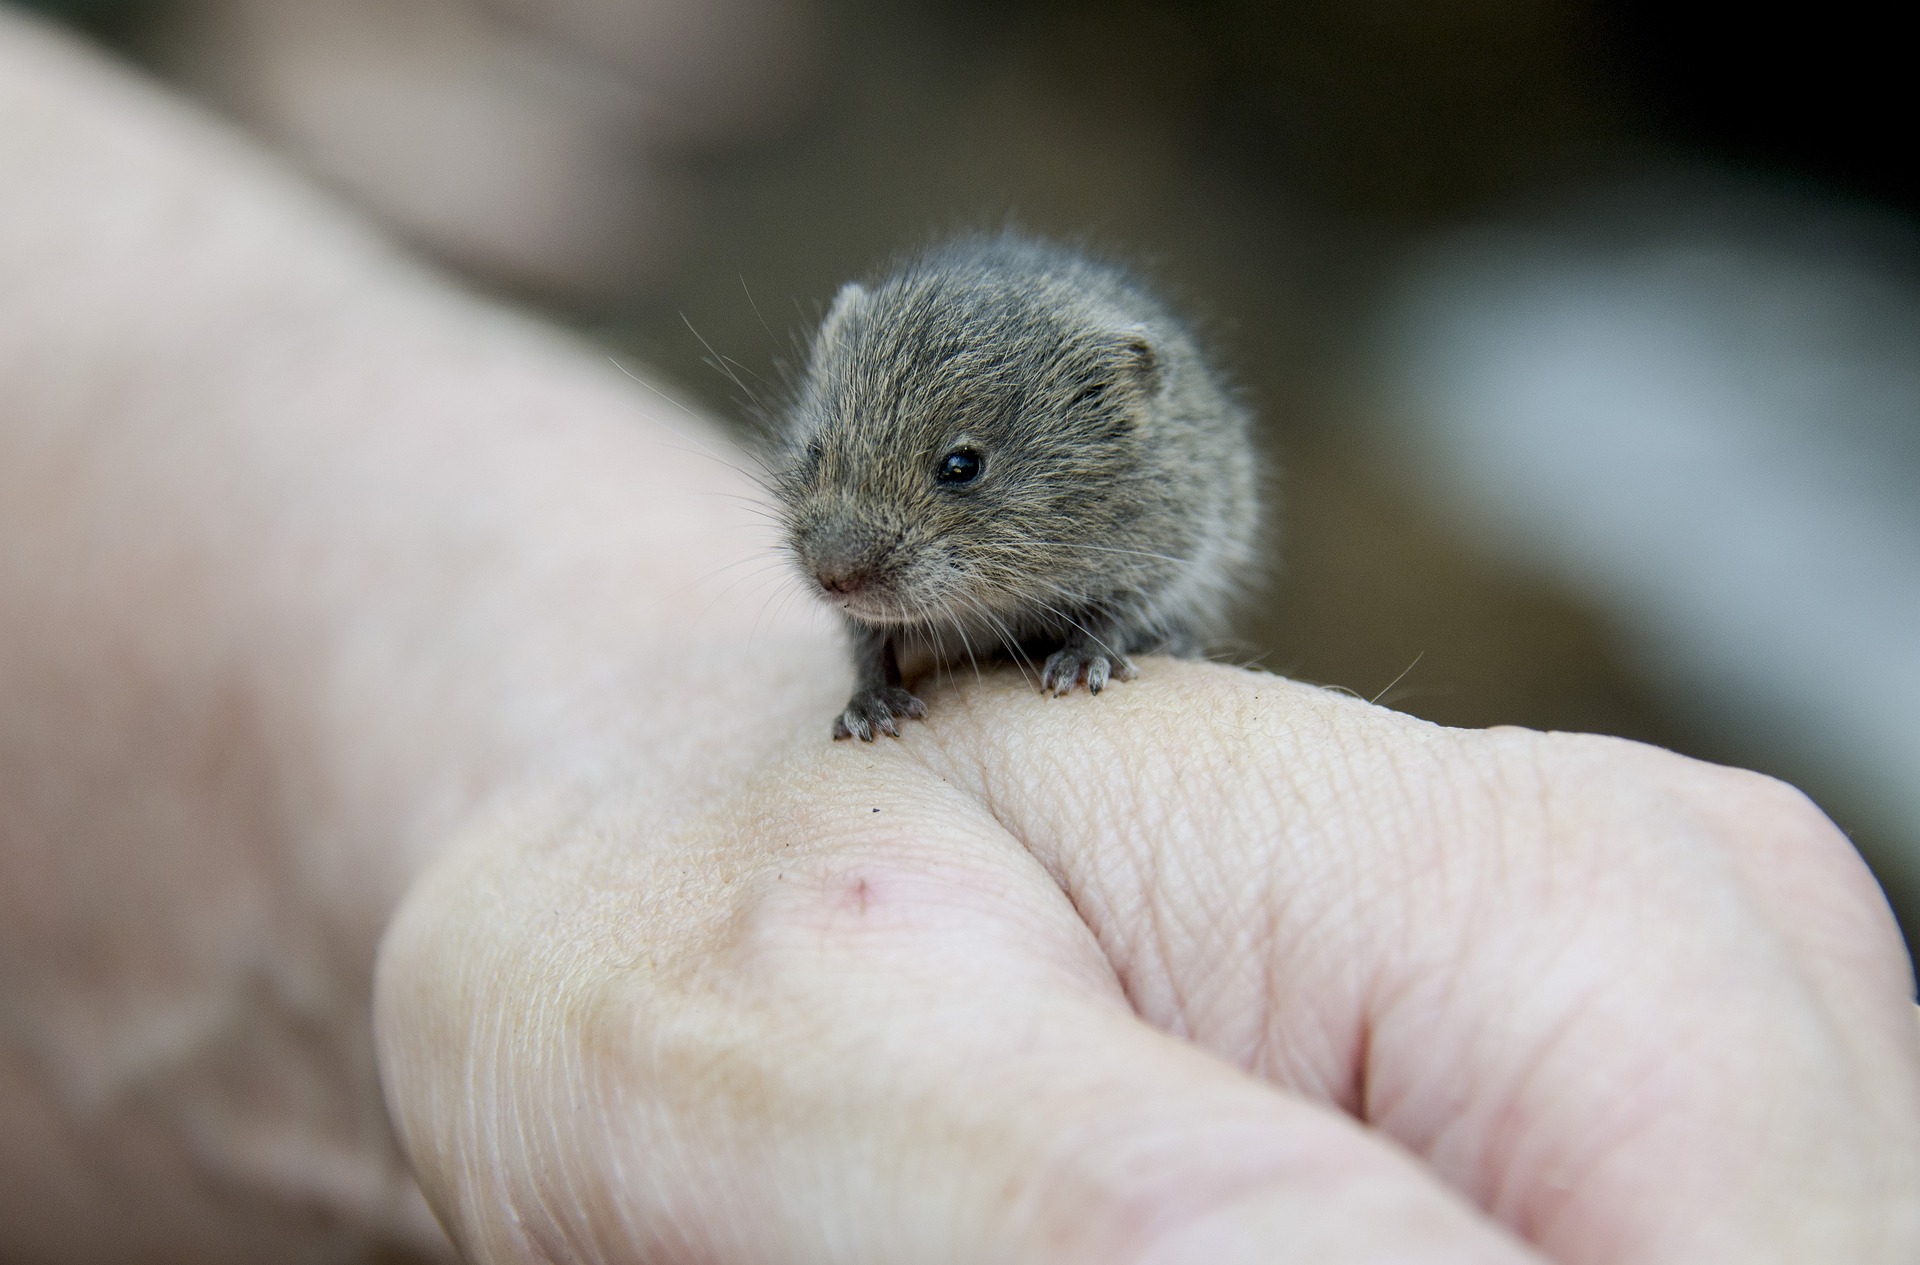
x=1007 y=446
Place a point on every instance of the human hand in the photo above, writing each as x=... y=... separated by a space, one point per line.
x=539 y=143
x=1161 y=976
x=330 y=567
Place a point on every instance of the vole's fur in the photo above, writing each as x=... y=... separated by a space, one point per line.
x=1113 y=507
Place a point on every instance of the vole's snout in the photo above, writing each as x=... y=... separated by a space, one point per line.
x=842 y=577
x=845 y=563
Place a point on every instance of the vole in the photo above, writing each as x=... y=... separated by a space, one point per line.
x=1007 y=445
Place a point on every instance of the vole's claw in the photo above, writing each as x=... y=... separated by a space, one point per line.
x=1062 y=671
x=872 y=712
x=1068 y=665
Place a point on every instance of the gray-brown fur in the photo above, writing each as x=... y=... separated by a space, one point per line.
x=1114 y=509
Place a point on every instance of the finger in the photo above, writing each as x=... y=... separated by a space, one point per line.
x=899 y=1046
x=1639 y=1008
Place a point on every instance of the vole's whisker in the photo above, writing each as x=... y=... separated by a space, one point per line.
x=787 y=594
x=931 y=633
x=960 y=626
x=765 y=564
x=756 y=477
x=730 y=587
x=967 y=643
x=695 y=414
x=719 y=361
x=1005 y=636
x=1017 y=650
x=750 y=502
x=1091 y=635
x=1135 y=553
x=744 y=368
x=1074 y=598
x=757 y=316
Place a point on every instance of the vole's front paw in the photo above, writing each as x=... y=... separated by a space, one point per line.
x=874 y=711
x=1069 y=664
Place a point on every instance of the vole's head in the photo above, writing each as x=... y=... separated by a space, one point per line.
x=966 y=446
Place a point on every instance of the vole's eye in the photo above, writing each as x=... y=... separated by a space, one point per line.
x=962 y=465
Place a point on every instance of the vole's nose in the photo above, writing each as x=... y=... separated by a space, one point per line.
x=844 y=560
x=842 y=575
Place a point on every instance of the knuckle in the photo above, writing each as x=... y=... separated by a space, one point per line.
x=1624 y=770
x=1659 y=813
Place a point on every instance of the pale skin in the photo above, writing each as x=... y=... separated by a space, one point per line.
x=385 y=744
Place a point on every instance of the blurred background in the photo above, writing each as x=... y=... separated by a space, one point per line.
x=1585 y=333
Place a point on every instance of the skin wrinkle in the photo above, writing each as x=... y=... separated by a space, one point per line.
x=1273 y=907
x=1325 y=1051
x=1167 y=1005
x=1672 y=1055
x=1490 y=1172
x=1532 y=812
x=1222 y=1010
x=572 y=1183
x=1136 y=1204
x=564 y=1230
x=1434 y=870
x=487 y=1164
x=1538 y=1213
x=1208 y=929
x=645 y=1198
x=1475 y=903
x=1304 y=929
x=1482 y=1174
x=820 y=1115
x=1091 y=891
x=1652 y=1110
x=1804 y=928
x=1090 y=910
x=510 y=1138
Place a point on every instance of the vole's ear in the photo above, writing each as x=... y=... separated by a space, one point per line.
x=1123 y=369
x=852 y=297
x=1138 y=360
